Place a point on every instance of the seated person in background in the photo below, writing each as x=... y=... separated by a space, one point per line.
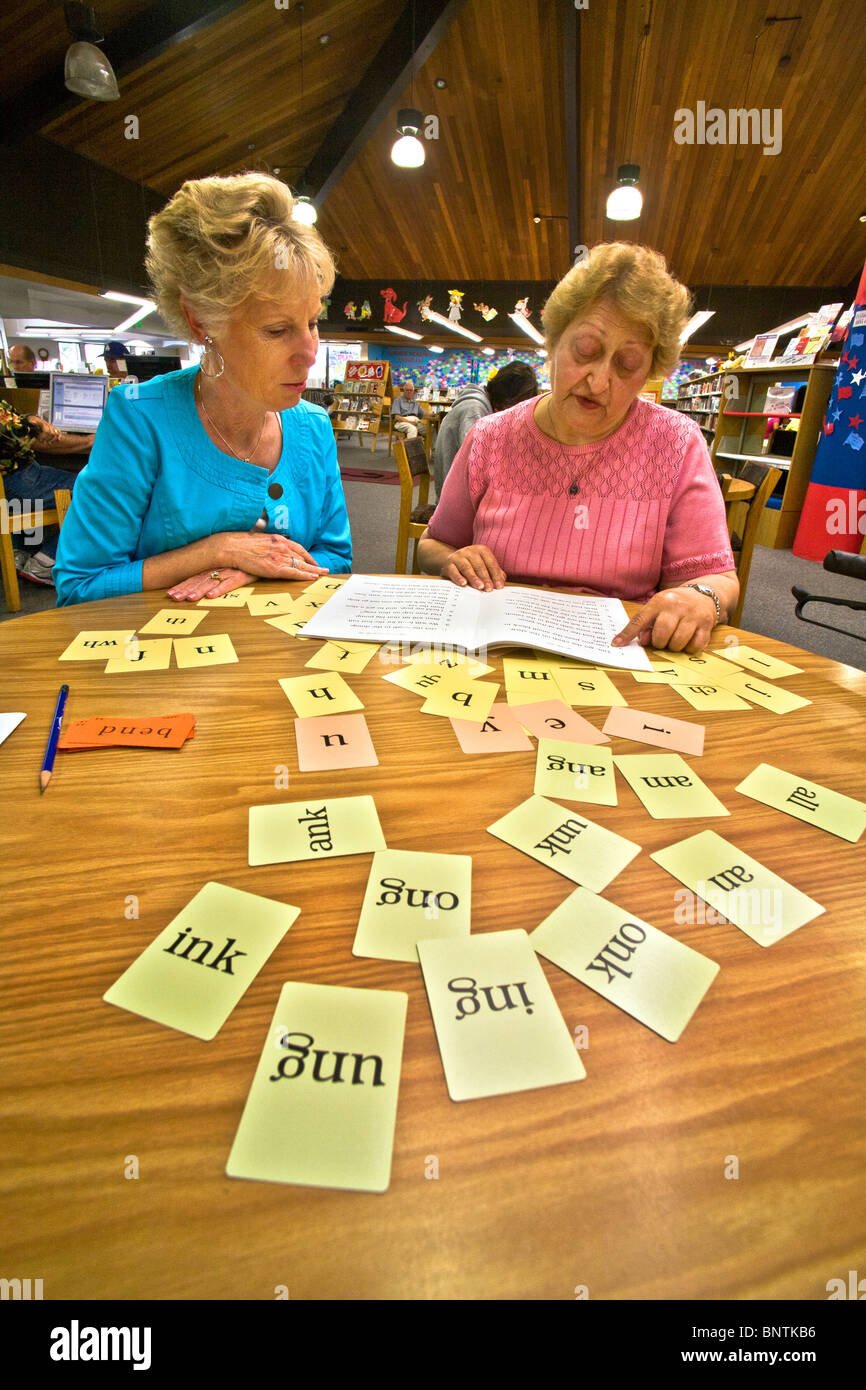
x=591 y=487
x=31 y=485
x=406 y=410
x=513 y=383
x=204 y=479
x=329 y=403
x=22 y=358
x=115 y=353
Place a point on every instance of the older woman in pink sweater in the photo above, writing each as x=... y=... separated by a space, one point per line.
x=591 y=487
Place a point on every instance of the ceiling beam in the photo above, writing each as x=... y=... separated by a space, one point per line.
x=416 y=34
x=571 y=95
x=141 y=39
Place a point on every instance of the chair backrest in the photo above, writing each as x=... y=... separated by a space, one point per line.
x=62 y=501
x=416 y=456
x=412 y=466
x=765 y=477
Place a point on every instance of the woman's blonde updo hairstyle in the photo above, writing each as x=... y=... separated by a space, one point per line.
x=638 y=283
x=221 y=240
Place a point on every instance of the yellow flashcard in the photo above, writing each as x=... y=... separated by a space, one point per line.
x=413 y=897
x=701 y=663
x=319 y=694
x=772 y=697
x=588 y=687
x=497 y=1023
x=808 y=801
x=142 y=656
x=645 y=972
x=575 y=772
x=98 y=645
x=323 y=1102
x=343 y=656
x=325 y=586
x=423 y=679
x=286 y=622
x=543 y=695
x=450 y=657
x=566 y=842
x=271 y=605
x=295 y=830
x=709 y=697
x=668 y=787
x=462 y=700
x=527 y=677
x=749 y=894
x=194 y=973
x=236 y=598
x=204 y=651
x=172 y=622
x=758 y=662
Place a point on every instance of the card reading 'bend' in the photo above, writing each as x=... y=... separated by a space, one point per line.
x=323 y=1102
x=567 y=842
x=651 y=975
x=194 y=973
x=285 y=833
x=497 y=1023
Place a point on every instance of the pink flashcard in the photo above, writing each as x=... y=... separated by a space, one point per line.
x=553 y=719
x=332 y=741
x=657 y=729
x=499 y=733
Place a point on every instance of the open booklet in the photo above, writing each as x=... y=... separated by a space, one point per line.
x=394 y=609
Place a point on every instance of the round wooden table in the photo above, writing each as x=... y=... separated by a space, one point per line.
x=620 y=1184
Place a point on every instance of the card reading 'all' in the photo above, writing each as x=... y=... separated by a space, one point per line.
x=645 y=972
x=497 y=1023
x=323 y=1103
x=194 y=973
x=285 y=833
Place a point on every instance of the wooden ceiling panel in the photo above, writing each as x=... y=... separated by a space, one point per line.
x=255 y=89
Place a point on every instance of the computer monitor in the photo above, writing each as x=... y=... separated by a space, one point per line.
x=144 y=368
x=34 y=380
x=77 y=401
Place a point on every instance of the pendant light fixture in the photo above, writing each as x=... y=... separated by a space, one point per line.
x=625 y=201
x=408 y=152
x=87 y=72
x=303 y=210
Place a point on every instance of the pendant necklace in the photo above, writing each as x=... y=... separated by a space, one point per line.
x=575 y=487
x=222 y=436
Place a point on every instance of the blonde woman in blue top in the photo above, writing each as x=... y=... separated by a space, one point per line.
x=204 y=479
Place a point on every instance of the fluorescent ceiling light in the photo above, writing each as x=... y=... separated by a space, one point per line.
x=529 y=328
x=489 y=352
x=124 y=298
x=145 y=308
x=695 y=322
x=431 y=347
x=404 y=332
x=454 y=327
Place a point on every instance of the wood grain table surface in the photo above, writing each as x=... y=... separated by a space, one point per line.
x=616 y=1184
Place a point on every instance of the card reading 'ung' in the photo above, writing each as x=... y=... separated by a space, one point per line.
x=323 y=1103
x=497 y=1023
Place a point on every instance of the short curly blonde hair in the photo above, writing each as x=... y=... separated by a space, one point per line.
x=221 y=240
x=638 y=283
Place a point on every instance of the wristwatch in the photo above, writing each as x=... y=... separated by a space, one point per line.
x=710 y=593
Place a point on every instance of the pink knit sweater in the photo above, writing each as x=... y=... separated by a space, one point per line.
x=639 y=511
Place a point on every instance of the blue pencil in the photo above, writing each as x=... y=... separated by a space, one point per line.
x=48 y=760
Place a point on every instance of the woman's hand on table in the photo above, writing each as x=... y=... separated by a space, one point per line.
x=680 y=620
x=474 y=566
x=266 y=555
x=205 y=586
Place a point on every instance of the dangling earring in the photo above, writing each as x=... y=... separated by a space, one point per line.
x=209 y=357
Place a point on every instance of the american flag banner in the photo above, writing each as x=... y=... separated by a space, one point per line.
x=834 y=511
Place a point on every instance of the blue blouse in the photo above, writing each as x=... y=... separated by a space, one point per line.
x=155 y=481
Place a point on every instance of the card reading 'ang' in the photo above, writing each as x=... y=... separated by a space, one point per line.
x=575 y=772
x=314 y=829
x=497 y=1023
x=413 y=897
x=648 y=974
x=575 y=847
x=194 y=973
x=322 y=1106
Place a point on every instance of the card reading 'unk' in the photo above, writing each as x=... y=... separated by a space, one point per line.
x=497 y=1023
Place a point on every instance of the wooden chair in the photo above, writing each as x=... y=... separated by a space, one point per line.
x=764 y=478
x=13 y=525
x=413 y=468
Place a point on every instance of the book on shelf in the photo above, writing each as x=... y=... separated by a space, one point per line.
x=395 y=609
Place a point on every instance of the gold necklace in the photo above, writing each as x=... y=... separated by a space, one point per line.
x=222 y=436
x=575 y=486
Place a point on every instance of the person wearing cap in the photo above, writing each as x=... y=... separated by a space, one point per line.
x=113 y=354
